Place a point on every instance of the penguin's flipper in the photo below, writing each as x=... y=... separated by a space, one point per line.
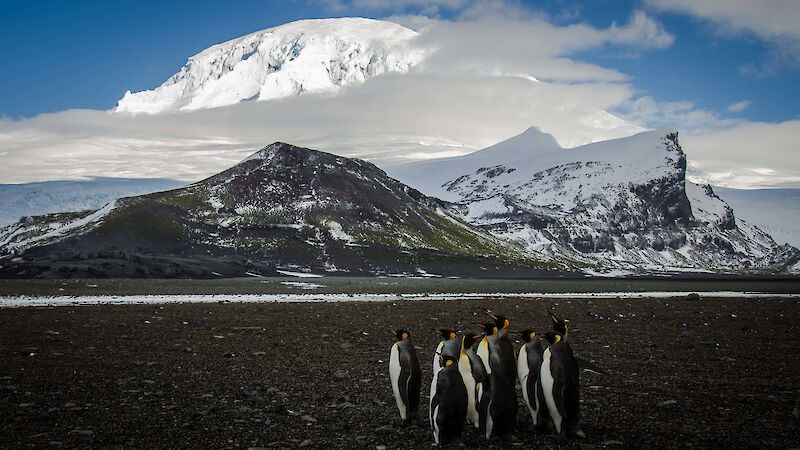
x=413 y=389
x=559 y=387
x=478 y=369
x=483 y=405
x=405 y=373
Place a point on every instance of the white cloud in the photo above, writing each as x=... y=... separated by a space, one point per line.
x=739 y=106
x=479 y=87
x=529 y=46
x=722 y=151
x=387 y=119
x=774 y=21
x=750 y=154
x=682 y=115
x=766 y=18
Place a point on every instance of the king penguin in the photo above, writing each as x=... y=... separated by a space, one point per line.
x=405 y=374
x=529 y=367
x=489 y=330
x=506 y=349
x=450 y=346
x=559 y=326
x=448 y=402
x=468 y=374
x=497 y=404
x=561 y=385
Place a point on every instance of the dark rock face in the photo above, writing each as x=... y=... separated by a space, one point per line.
x=285 y=207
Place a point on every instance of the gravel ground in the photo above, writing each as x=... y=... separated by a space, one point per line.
x=708 y=373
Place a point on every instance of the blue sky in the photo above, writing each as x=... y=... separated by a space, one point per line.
x=86 y=53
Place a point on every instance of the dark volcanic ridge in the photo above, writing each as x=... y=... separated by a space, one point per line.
x=283 y=208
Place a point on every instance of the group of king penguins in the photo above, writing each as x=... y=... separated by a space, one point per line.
x=474 y=381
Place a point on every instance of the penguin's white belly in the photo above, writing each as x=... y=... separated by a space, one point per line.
x=489 y=421
x=394 y=375
x=465 y=368
x=483 y=354
x=546 y=378
x=523 y=371
x=434 y=416
x=434 y=380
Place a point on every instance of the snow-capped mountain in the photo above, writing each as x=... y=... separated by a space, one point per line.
x=283 y=208
x=47 y=197
x=306 y=56
x=622 y=203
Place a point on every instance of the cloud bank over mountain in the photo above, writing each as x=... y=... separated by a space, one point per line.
x=488 y=73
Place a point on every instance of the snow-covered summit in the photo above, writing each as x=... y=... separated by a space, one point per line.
x=530 y=154
x=526 y=145
x=319 y=55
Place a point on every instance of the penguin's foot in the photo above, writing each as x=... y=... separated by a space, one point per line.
x=411 y=422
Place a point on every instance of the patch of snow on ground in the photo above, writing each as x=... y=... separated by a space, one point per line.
x=610 y=273
x=425 y=274
x=337 y=232
x=298 y=274
x=34 y=301
x=215 y=202
x=302 y=285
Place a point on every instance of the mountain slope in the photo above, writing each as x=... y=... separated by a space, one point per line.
x=776 y=211
x=47 y=197
x=306 y=56
x=623 y=203
x=283 y=208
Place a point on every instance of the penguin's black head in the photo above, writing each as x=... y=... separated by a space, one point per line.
x=447 y=334
x=488 y=328
x=553 y=337
x=402 y=335
x=527 y=335
x=501 y=321
x=559 y=325
x=467 y=340
x=446 y=360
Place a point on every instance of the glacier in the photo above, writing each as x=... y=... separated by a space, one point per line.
x=47 y=197
x=306 y=56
